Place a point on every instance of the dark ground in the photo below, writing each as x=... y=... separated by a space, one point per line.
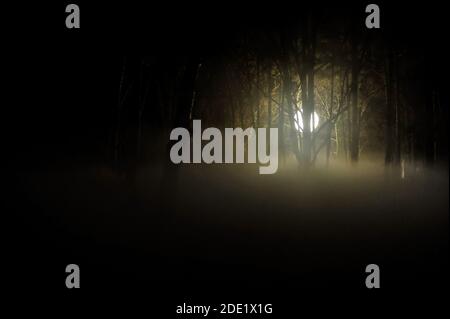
x=223 y=223
x=227 y=234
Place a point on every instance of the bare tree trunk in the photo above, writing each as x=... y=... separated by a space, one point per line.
x=349 y=121
x=390 y=111
x=331 y=114
x=258 y=85
x=398 y=119
x=337 y=139
x=290 y=108
x=307 y=82
x=184 y=105
x=287 y=93
x=232 y=100
x=281 y=125
x=354 y=146
x=269 y=94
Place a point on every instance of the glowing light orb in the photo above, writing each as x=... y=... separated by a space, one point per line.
x=299 y=121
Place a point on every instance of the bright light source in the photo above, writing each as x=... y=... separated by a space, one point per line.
x=299 y=121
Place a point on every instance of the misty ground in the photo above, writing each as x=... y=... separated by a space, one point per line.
x=228 y=222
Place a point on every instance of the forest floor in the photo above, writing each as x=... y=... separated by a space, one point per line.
x=229 y=223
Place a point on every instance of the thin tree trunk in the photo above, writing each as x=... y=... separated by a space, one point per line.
x=390 y=112
x=354 y=147
x=232 y=100
x=398 y=120
x=307 y=81
x=281 y=125
x=269 y=94
x=336 y=139
x=184 y=106
x=331 y=114
x=258 y=85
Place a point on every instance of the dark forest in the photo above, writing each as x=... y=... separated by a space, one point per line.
x=362 y=119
